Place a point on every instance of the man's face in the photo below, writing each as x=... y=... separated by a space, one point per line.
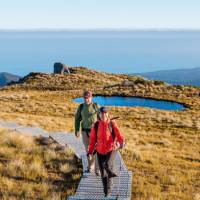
x=88 y=100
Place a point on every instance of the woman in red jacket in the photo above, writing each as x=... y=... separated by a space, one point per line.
x=105 y=139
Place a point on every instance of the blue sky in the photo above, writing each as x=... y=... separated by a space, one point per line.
x=91 y=14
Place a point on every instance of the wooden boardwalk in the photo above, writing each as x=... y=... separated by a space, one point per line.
x=90 y=186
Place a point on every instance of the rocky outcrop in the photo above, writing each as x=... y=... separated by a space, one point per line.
x=60 y=68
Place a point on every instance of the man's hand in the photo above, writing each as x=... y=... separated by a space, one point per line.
x=77 y=134
x=89 y=155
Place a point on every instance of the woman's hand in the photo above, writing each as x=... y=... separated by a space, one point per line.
x=116 y=145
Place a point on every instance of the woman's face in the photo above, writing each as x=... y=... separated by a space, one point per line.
x=104 y=116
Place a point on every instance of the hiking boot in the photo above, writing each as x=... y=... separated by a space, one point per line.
x=97 y=173
x=108 y=194
x=88 y=170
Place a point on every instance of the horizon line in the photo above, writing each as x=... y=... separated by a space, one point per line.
x=96 y=29
x=130 y=73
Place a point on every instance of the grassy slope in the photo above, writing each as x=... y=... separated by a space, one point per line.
x=35 y=168
x=163 y=146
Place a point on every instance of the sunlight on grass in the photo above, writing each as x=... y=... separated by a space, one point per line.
x=162 y=146
x=29 y=168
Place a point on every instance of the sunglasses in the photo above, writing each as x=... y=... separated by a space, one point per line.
x=86 y=97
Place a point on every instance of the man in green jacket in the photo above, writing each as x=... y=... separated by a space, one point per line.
x=86 y=116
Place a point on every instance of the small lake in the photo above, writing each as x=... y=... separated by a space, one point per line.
x=134 y=101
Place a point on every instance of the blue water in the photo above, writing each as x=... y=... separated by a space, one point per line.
x=111 y=51
x=134 y=101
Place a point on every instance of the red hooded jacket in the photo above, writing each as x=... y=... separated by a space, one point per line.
x=104 y=140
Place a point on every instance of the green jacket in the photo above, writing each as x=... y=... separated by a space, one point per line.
x=86 y=115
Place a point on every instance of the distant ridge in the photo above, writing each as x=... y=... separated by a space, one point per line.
x=6 y=78
x=176 y=76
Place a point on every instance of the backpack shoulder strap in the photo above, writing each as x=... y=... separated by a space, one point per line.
x=81 y=107
x=112 y=129
x=95 y=106
x=96 y=126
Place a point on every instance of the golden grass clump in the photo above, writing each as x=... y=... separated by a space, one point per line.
x=19 y=141
x=35 y=168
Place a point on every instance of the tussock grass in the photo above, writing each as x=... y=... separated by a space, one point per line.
x=18 y=141
x=33 y=169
